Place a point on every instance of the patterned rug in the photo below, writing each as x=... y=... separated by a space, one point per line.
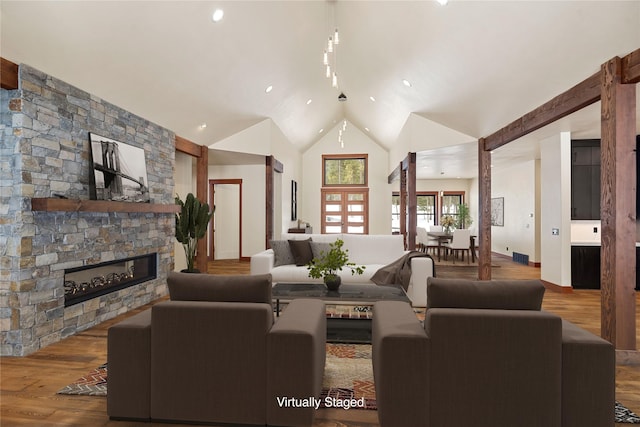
x=348 y=374
x=92 y=384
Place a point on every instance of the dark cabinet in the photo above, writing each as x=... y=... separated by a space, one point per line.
x=585 y=179
x=585 y=267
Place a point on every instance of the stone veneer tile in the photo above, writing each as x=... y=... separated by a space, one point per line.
x=45 y=150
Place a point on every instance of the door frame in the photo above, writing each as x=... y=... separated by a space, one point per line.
x=212 y=202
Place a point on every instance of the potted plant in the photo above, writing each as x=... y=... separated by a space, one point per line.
x=327 y=265
x=191 y=225
x=464 y=216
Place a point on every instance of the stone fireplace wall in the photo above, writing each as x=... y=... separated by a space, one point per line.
x=44 y=151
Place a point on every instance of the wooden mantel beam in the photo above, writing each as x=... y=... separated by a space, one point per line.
x=8 y=74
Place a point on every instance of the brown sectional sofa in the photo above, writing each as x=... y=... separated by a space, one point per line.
x=213 y=354
x=487 y=356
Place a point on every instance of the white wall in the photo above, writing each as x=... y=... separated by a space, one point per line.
x=265 y=138
x=555 y=207
x=420 y=134
x=517 y=185
x=291 y=158
x=185 y=183
x=380 y=191
x=253 y=203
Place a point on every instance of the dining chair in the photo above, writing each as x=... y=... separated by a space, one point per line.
x=422 y=238
x=432 y=242
x=460 y=243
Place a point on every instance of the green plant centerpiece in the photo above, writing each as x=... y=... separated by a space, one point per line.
x=191 y=225
x=327 y=265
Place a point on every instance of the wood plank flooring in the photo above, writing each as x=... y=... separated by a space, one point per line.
x=28 y=385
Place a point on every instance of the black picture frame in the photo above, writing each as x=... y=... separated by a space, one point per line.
x=118 y=171
x=294 y=200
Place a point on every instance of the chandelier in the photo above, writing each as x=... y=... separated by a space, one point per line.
x=329 y=56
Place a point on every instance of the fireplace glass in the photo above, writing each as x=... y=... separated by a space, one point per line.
x=87 y=282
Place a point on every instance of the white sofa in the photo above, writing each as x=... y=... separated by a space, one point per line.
x=372 y=251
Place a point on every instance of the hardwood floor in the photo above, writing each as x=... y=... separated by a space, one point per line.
x=28 y=385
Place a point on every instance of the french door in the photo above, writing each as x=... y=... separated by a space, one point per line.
x=345 y=210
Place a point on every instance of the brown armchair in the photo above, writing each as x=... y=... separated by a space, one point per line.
x=487 y=356
x=213 y=354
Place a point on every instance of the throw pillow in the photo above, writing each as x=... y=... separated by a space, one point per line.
x=282 y=253
x=301 y=250
x=317 y=248
x=218 y=287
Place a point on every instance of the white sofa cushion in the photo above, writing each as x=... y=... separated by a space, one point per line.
x=373 y=249
x=293 y=274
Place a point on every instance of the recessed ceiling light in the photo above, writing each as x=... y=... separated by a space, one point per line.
x=269 y=89
x=321 y=130
x=309 y=101
x=217 y=15
x=203 y=125
x=406 y=82
x=367 y=129
x=443 y=2
x=372 y=98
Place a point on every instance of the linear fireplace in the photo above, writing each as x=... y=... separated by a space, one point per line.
x=84 y=283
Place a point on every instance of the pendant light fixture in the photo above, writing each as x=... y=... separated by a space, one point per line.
x=329 y=55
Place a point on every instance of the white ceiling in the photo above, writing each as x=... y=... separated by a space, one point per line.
x=474 y=66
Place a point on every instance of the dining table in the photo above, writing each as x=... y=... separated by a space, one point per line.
x=444 y=237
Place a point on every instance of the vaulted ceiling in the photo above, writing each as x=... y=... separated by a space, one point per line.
x=473 y=66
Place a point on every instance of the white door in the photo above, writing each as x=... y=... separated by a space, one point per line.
x=226 y=221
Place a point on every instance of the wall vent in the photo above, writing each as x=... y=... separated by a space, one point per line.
x=521 y=258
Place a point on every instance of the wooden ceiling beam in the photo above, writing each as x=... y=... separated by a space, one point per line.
x=631 y=67
x=581 y=95
x=185 y=146
x=8 y=74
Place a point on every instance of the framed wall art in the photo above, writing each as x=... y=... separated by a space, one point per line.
x=119 y=171
x=497 y=211
x=294 y=200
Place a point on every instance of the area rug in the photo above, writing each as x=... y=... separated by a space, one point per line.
x=348 y=374
x=92 y=384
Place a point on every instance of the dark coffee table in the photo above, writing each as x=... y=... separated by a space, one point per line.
x=347 y=326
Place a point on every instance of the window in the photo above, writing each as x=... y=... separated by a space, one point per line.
x=426 y=210
x=344 y=170
x=450 y=202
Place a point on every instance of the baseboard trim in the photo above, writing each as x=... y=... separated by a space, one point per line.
x=496 y=254
x=627 y=357
x=557 y=288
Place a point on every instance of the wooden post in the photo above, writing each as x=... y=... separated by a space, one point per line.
x=484 y=211
x=617 y=208
x=269 y=196
x=202 y=190
x=412 y=207
x=403 y=203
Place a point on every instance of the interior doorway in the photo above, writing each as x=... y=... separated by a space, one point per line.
x=225 y=236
